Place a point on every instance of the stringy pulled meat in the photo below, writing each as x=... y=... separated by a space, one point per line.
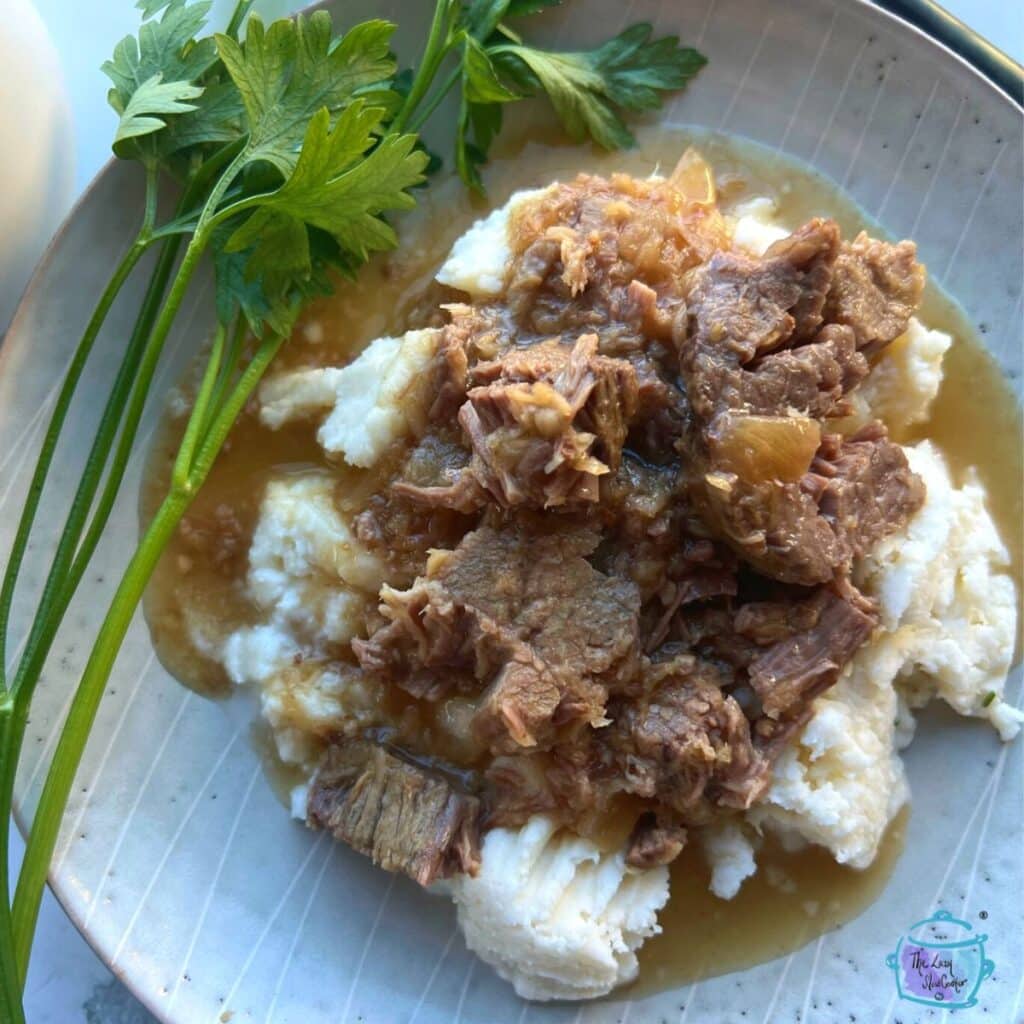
x=622 y=543
x=518 y=618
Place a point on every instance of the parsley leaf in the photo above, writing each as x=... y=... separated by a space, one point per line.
x=343 y=179
x=480 y=112
x=157 y=73
x=522 y=8
x=153 y=97
x=480 y=81
x=166 y=47
x=151 y=7
x=586 y=89
x=286 y=73
x=217 y=117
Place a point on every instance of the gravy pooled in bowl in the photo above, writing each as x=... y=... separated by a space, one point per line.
x=597 y=555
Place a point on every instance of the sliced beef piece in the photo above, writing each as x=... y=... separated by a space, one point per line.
x=520 y=613
x=767 y=622
x=401 y=815
x=810 y=380
x=686 y=744
x=819 y=637
x=865 y=487
x=654 y=840
x=876 y=287
x=741 y=308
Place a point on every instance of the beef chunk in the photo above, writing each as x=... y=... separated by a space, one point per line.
x=607 y=255
x=772 y=525
x=865 y=488
x=876 y=287
x=710 y=633
x=810 y=380
x=654 y=841
x=544 y=423
x=401 y=531
x=521 y=613
x=566 y=783
x=398 y=813
x=685 y=743
x=741 y=308
x=824 y=633
x=760 y=372
x=549 y=421
x=767 y=622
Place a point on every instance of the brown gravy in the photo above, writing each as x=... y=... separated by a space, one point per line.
x=795 y=896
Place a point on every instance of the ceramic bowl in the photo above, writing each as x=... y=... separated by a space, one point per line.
x=177 y=860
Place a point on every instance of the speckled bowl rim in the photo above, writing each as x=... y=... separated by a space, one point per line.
x=922 y=18
x=974 y=49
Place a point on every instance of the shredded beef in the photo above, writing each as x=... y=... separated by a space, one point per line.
x=622 y=543
x=549 y=421
x=684 y=743
x=401 y=815
x=654 y=841
x=518 y=616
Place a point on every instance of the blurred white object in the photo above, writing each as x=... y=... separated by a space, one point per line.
x=35 y=133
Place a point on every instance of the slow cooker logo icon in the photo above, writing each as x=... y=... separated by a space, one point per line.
x=940 y=961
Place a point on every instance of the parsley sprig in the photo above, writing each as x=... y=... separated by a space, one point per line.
x=294 y=146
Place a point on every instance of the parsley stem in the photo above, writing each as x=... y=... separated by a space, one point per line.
x=200 y=408
x=227 y=370
x=59 y=415
x=53 y=799
x=11 y=1009
x=237 y=17
x=437 y=46
x=420 y=118
x=25 y=911
x=63 y=578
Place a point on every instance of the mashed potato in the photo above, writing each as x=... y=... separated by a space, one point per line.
x=306 y=565
x=554 y=915
x=948 y=604
x=366 y=406
x=479 y=259
x=315 y=581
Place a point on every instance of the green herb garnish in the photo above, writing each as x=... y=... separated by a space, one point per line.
x=292 y=146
